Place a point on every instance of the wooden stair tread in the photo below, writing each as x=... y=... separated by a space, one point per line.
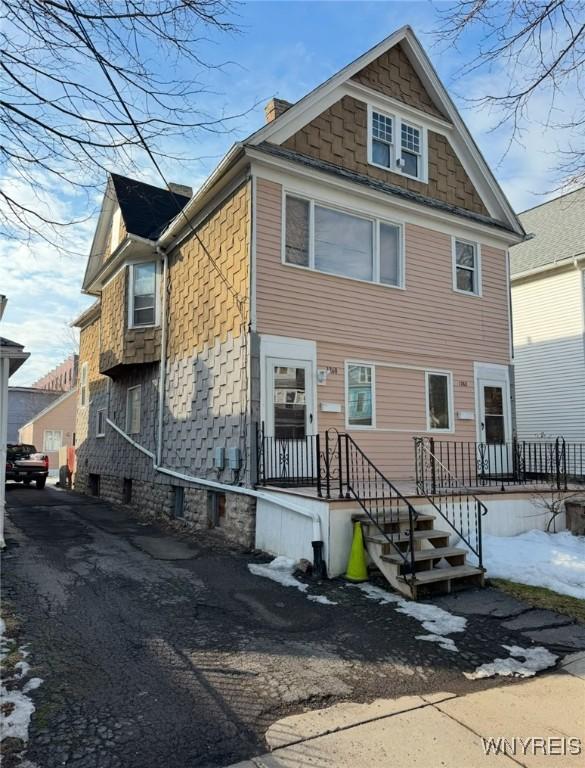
x=405 y=536
x=362 y=518
x=443 y=574
x=427 y=554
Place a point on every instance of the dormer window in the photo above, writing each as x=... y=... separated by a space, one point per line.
x=143 y=294
x=397 y=145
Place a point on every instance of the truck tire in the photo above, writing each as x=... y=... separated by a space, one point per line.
x=40 y=481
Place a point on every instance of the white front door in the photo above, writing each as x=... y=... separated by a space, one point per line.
x=289 y=424
x=494 y=450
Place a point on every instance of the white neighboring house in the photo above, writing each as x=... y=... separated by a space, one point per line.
x=548 y=311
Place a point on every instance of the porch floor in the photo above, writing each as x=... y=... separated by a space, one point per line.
x=407 y=487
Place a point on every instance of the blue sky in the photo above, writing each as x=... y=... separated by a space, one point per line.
x=283 y=49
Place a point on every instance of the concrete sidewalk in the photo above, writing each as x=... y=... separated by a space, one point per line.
x=442 y=729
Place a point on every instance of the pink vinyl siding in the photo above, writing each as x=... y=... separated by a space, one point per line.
x=426 y=326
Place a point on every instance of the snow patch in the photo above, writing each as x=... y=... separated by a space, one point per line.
x=447 y=643
x=321 y=599
x=437 y=622
x=17 y=708
x=535 y=660
x=552 y=560
x=280 y=570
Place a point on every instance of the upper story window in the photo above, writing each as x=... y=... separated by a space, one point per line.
x=84 y=385
x=340 y=243
x=143 y=294
x=52 y=439
x=466 y=266
x=397 y=144
x=133 y=410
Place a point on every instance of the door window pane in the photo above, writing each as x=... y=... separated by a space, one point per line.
x=343 y=244
x=297 y=231
x=493 y=399
x=360 y=396
x=438 y=401
x=389 y=254
x=290 y=404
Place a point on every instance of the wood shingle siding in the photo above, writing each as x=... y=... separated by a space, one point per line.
x=339 y=136
x=393 y=75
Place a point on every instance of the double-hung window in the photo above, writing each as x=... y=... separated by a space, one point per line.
x=397 y=145
x=438 y=396
x=410 y=142
x=100 y=427
x=341 y=243
x=143 y=294
x=52 y=439
x=133 y=410
x=360 y=395
x=84 y=385
x=466 y=266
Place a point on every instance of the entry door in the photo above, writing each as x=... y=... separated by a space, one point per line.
x=289 y=426
x=495 y=456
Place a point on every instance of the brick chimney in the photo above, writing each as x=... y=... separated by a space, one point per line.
x=275 y=107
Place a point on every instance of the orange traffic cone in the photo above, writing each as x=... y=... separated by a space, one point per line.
x=356 y=566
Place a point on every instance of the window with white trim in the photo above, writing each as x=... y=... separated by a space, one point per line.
x=360 y=394
x=52 y=439
x=83 y=385
x=397 y=144
x=133 y=410
x=330 y=240
x=466 y=258
x=411 y=149
x=100 y=426
x=438 y=397
x=143 y=294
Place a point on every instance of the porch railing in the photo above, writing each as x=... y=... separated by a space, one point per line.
x=457 y=505
x=444 y=464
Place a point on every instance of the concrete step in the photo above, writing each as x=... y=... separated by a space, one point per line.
x=435 y=553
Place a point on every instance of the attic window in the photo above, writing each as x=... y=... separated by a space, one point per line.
x=397 y=145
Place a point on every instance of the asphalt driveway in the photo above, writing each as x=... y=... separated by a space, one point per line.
x=162 y=649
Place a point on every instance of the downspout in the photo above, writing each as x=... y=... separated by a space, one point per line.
x=163 y=358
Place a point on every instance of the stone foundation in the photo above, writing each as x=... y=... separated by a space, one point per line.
x=202 y=509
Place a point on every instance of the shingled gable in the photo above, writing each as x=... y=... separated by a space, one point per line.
x=426 y=94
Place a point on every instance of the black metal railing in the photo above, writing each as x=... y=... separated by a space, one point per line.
x=445 y=464
x=380 y=500
x=458 y=506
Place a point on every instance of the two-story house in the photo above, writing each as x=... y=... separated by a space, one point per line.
x=548 y=309
x=343 y=268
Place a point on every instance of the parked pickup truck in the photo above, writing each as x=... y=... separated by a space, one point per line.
x=24 y=464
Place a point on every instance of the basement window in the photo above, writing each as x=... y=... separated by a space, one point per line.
x=215 y=508
x=178 y=501
x=127 y=491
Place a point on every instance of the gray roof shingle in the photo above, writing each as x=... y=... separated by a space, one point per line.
x=559 y=233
